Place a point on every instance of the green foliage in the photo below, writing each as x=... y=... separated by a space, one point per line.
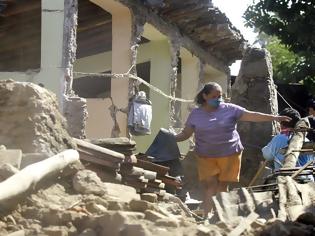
x=293 y=23
x=282 y=60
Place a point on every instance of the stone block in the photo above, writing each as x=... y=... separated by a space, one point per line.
x=56 y=231
x=6 y=171
x=12 y=157
x=87 y=182
x=117 y=206
x=167 y=222
x=95 y=208
x=135 y=230
x=113 y=222
x=150 y=197
x=153 y=215
x=140 y=205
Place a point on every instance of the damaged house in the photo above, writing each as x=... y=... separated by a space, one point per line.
x=176 y=46
x=93 y=56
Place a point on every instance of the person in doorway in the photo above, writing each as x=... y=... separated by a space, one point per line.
x=311 y=119
x=275 y=149
x=218 y=146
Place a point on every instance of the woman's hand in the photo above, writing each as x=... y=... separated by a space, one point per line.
x=282 y=118
x=184 y=134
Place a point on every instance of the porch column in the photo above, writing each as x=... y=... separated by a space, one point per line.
x=121 y=55
x=52 y=34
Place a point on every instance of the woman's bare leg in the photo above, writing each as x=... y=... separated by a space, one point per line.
x=222 y=187
x=209 y=186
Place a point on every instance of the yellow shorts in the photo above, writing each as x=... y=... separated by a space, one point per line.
x=227 y=168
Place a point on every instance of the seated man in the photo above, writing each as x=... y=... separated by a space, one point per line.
x=275 y=148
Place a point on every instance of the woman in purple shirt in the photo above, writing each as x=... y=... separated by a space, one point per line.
x=218 y=147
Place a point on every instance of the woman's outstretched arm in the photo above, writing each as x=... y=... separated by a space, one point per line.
x=262 y=117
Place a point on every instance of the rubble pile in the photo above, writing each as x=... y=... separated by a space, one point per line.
x=84 y=205
x=92 y=190
x=30 y=120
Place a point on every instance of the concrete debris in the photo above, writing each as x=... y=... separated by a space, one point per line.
x=30 y=119
x=75 y=111
x=6 y=171
x=12 y=157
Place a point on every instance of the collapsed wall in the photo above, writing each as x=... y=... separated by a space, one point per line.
x=255 y=90
x=30 y=119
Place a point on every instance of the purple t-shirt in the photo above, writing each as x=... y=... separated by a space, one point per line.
x=215 y=131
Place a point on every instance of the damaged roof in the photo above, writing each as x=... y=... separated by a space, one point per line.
x=203 y=23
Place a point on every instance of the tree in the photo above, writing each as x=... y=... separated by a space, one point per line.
x=293 y=23
x=283 y=60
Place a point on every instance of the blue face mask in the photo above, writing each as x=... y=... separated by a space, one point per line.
x=215 y=102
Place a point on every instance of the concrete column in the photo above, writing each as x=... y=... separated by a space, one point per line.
x=121 y=63
x=121 y=55
x=52 y=32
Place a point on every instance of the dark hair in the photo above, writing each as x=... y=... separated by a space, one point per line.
x=293 y=114
x=311 y=103
x=207 y=88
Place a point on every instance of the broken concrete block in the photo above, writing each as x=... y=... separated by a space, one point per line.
x=87 y=182
x=114 y=191
x=140 y=205
x=96 y=199
x=95 y=208
x=56 y=231
x=150 y=197
x=167 y=222
x=135 y=230
x=6 y=171
x=117 y=206
x=112 y=222
x=153 y=215
x=12 y=157
x=31 y=158
x=70 y=216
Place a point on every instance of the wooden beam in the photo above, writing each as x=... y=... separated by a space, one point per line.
x=21 y=7
x=102 y=153
x=161 y=170
x=86 y=156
